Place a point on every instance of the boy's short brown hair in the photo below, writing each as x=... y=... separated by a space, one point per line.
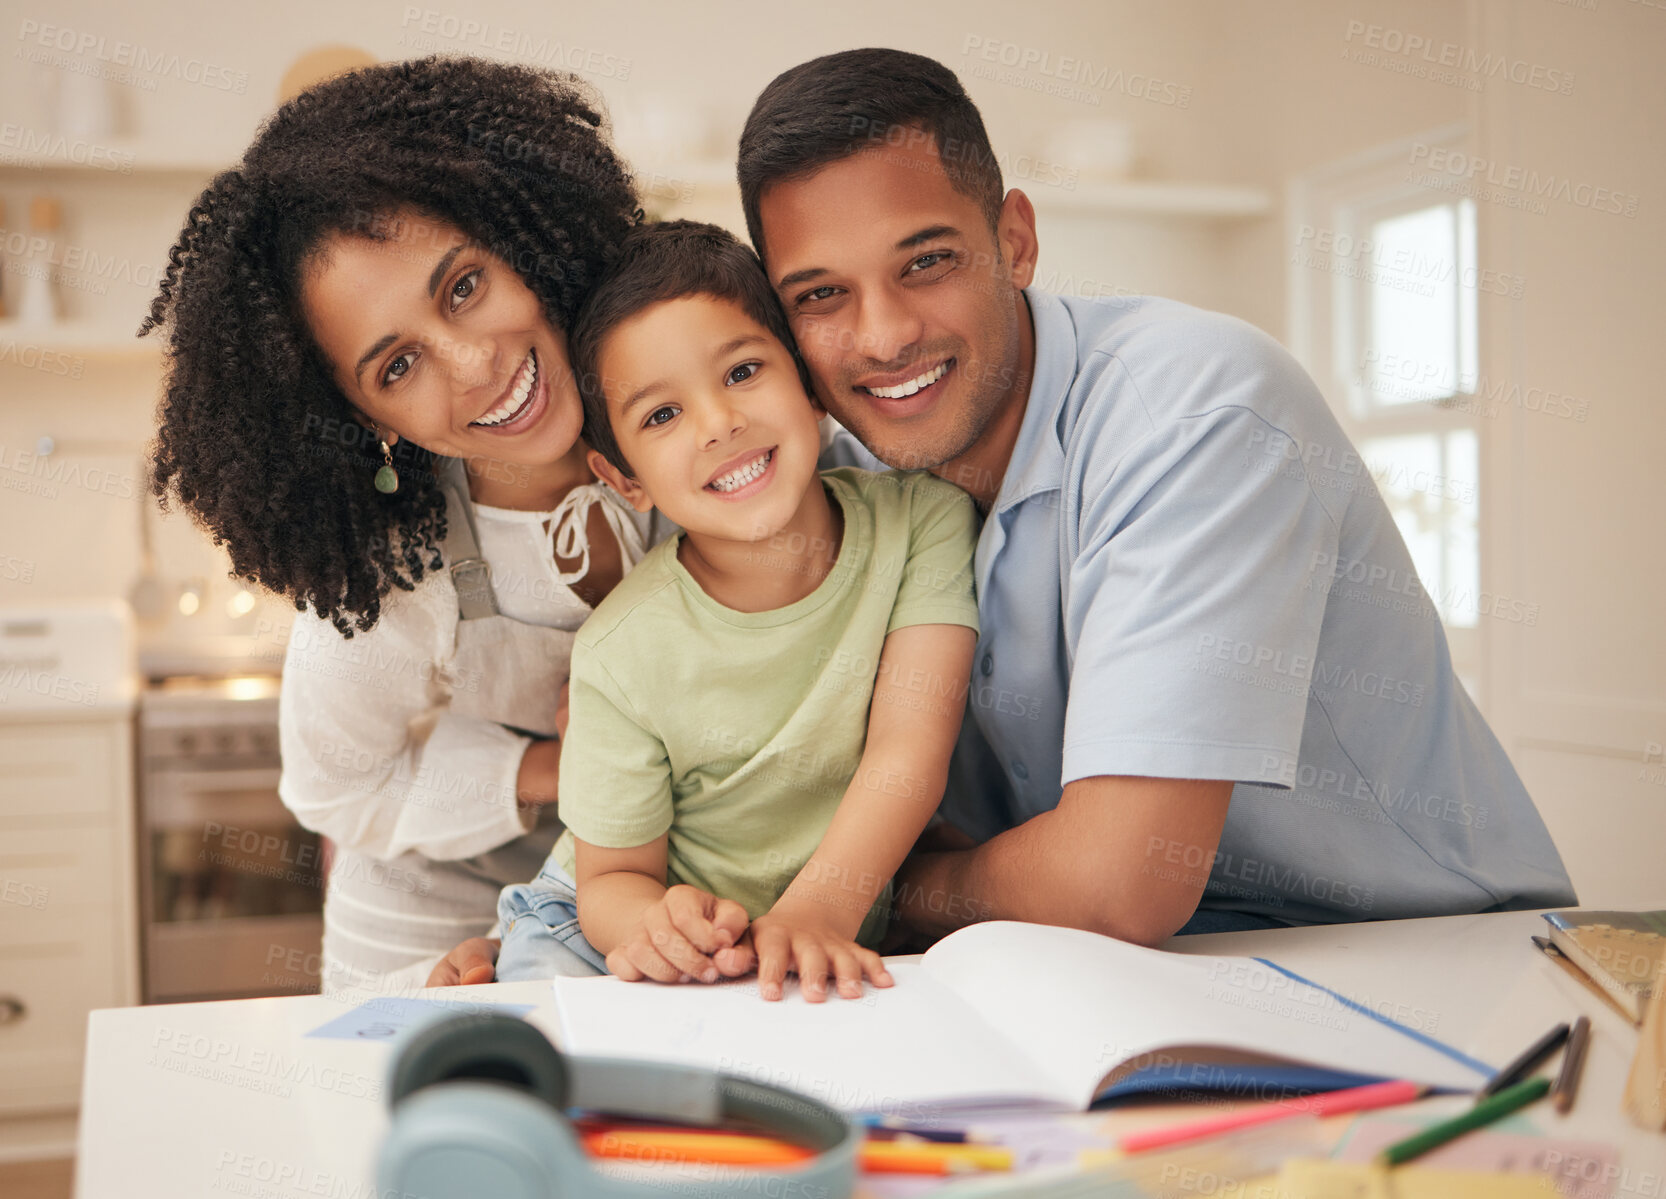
x=667 y=261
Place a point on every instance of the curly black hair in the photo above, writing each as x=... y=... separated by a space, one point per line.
x=255 y=438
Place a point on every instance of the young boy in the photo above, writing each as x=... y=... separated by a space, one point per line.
x=762 y=712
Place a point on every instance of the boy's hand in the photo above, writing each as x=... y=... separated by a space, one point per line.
x=687 y=935
x=814 y=953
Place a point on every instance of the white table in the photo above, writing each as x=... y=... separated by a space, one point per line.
x=231 y=1098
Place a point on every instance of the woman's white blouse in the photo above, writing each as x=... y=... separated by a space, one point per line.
x=373 y=757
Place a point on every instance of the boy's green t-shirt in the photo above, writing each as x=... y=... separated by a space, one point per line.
x=739 y=731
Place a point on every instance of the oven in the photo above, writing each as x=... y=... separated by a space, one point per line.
x=231 y=887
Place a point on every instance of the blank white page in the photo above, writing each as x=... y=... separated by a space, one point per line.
x=1083 y=1003
x=911 y=1049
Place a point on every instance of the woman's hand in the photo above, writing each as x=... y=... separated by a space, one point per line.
x=535 y=784
x=814 y=952
x=474 y=961
x=540 y=772
x=687 y=934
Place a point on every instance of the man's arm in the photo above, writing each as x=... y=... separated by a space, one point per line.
x=1124 y=856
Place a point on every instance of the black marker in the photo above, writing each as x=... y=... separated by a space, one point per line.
x=1527 y=1062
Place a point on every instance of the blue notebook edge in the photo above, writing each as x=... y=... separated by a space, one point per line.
x=1272 y=1080
x=1248 y=1081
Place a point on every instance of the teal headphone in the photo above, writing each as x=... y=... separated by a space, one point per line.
x=479 y=1108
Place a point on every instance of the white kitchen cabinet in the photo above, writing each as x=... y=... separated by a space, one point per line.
x=68 y=908
x=68 y=924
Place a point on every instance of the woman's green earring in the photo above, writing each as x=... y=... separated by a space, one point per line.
x=387 y=479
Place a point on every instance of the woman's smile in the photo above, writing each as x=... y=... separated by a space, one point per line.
x=523 y=403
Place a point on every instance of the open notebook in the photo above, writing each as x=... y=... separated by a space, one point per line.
x=1003 y=1015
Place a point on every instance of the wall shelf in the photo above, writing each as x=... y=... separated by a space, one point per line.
x=82 y=339
x=712 y=179
x=116 y=157
x=1201 y=201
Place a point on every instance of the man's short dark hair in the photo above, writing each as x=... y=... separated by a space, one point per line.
x=660 y=262
x=831 y=107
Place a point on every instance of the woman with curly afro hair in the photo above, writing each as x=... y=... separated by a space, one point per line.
x=369 y=405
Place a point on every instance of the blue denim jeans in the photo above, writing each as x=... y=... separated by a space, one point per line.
x=1211 y=920
x=541 y=936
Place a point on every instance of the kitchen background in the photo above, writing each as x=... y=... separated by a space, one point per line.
x=1453 y=212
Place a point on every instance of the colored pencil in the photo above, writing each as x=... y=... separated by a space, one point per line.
x=889 y=1157
x=746 y=1149
x=934 y=1136
x=1483 y=1113
x=1353 y=1099
x=889 y=1126
x=1573 y=1062
x=899 y=1134
x=1530 y=1060
x=729 y=1149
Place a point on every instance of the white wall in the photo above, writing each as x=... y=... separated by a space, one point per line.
x=1578 y=526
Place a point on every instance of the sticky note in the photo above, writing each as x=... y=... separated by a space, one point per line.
x=1304 y=1179
x=385 y=1017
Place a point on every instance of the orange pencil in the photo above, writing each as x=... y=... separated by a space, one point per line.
x=729 y=1149
x=745 y=1149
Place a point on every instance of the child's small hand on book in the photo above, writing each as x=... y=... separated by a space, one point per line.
x=688 y=935
x=814 y=952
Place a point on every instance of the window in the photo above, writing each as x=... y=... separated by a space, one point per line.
x=1383 y=314
x=1419 y=312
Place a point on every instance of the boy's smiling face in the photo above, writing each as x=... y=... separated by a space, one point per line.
x=708 y=409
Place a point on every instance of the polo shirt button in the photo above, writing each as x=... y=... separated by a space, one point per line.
x=988 y=665
x=1020 y=771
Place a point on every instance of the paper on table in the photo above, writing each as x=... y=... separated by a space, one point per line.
x=864 y=1055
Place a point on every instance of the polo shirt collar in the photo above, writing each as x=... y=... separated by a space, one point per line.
x=1037 y=463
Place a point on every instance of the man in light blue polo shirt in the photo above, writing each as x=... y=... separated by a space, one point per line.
x=1210 y=691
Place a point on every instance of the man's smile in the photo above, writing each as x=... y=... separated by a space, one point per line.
x=898 y=389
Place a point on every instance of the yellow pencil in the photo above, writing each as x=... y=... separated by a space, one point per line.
x=890 y=1155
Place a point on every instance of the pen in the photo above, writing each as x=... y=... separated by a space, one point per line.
x=1529 y=1061
x=1573 y=1061
x=1495 y=1107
